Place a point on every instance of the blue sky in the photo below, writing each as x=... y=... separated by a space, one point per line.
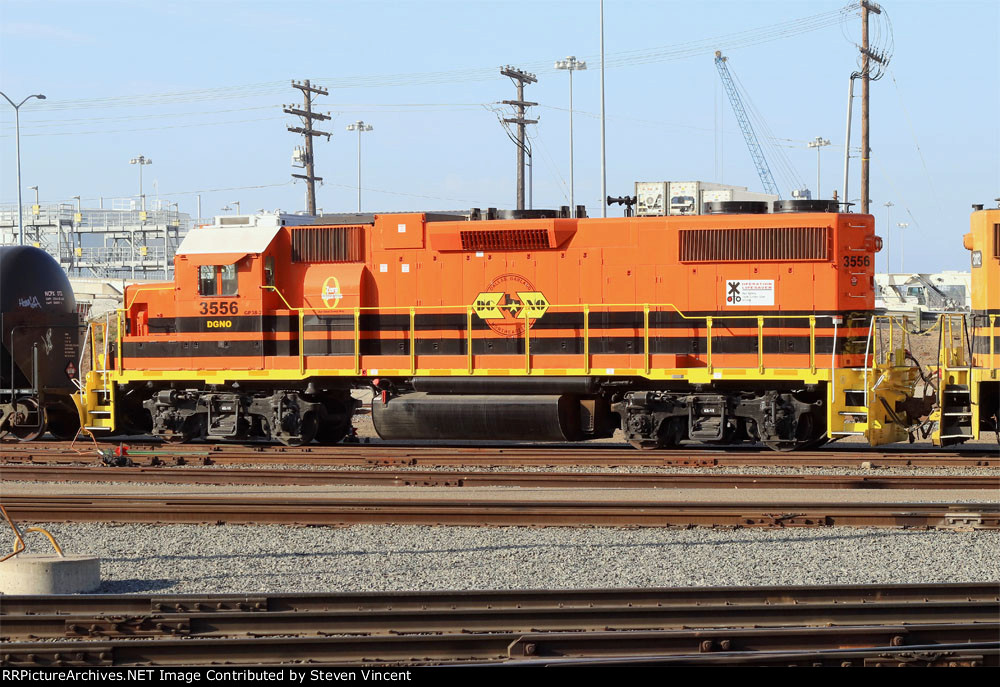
x=198 y=87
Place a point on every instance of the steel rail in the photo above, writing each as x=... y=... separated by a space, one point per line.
x=488 y=599
x=451 y=621
x=977 y=655
x=291 y=509
x=598 y=455
x=431 y=649
x=436 y=478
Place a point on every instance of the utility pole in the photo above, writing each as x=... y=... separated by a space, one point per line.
x=520 y=78
x=307 y=130
x=867 y=56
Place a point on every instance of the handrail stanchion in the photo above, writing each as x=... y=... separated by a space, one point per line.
x=120 y=358
x=586 y=338
x=708 y=322
x=468 y=336
x=645 y=336
x=302 y=342
x=760 y=344
x=413 y=342
x=812 y=344
x=889 y=351
x=527 y=342
x=357 y=340
x=993 y=336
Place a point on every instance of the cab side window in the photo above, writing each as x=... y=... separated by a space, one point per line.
x=227 y=280
x=218 y=280
x=269 y=271
x=207 y=281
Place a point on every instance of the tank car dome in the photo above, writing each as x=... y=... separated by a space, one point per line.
x=32 y=280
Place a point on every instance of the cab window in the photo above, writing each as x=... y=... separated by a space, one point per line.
x=218 y=280
x=206 y=280
x=269 y=270
x=227 y=280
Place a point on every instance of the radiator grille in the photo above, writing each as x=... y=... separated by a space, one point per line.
x=327 y=244
x=757 y=244
x=505 y=239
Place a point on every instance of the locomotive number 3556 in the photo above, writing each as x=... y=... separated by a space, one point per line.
x=218 y=308
x=856 y=261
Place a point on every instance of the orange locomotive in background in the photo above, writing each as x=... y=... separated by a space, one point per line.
x=718 y=328
x=969 y=351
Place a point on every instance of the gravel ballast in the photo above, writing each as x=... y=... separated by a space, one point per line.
x=182 y=559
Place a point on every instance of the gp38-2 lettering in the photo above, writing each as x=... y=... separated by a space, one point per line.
x=218 y=308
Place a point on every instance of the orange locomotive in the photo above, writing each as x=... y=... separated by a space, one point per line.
x=717 y=328
x=968 y=397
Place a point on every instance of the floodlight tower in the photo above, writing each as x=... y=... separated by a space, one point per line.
x=571 y=64
x=360 y=127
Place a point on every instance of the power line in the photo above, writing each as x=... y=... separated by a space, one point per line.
x=680 y=51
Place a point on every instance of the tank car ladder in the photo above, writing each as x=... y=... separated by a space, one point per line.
x=95 y=401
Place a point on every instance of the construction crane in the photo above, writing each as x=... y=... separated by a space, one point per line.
x=766 y=178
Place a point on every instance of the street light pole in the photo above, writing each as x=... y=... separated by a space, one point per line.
x=17 y=146
x=902 y=226
x=604 y=178
x=141 y=160
x=888 y=230
x=818 y=143
x=360 y=127
x=571 y=64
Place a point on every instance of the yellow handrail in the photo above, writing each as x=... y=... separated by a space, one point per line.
x=412 y=309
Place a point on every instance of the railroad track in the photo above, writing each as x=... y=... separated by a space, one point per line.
x=855 y=625
x=598 y=455
x=438 y=478
x=291 y=509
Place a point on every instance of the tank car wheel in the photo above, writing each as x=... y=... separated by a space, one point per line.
x=63 y=423
x=27 y=411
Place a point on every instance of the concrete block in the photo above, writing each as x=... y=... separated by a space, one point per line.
x=50 y=574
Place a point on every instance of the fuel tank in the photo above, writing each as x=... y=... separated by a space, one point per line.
x=536 y=417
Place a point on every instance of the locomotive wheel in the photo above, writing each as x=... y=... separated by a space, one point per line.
x=307 y=432
x=29 y=420
x=332 y=432
x=806 y=437
x=191 y=429
x=63 y=423
x=645 y=444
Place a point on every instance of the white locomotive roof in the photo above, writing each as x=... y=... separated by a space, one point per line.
x=227 y=240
